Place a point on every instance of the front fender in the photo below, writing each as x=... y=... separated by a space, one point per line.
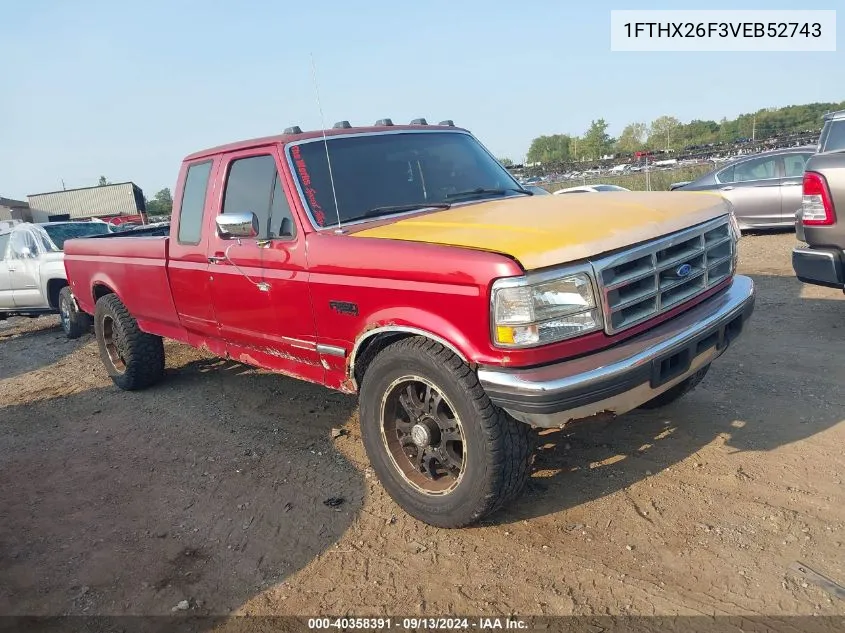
x=416 y=321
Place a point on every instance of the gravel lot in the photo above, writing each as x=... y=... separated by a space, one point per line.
x=210 y=488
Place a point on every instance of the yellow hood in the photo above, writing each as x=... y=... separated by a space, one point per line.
x=541 y=231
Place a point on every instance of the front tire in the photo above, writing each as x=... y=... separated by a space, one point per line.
x=133 y=359
x=75 y=323
x=441 y=449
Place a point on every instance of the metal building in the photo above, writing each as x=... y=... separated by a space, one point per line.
x=14 y=210
x=104 y=201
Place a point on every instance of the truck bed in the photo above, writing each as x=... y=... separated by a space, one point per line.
x=134 y=267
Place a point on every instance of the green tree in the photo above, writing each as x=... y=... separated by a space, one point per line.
x=632 y=138
x=695 y=132
x=507 y=162
x=660 y=132
x=597 y=142
x=549 y=149
x=161 y=204
x=102 y=181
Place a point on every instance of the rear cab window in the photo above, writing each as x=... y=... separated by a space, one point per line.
x=4 y=244
x=193 y=203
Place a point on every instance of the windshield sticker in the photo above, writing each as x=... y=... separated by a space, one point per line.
x=305 y=179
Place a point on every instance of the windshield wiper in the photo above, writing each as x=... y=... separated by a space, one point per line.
x=397 y=208
x=487 y=192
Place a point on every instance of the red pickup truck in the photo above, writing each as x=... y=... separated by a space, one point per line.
x=406 y=264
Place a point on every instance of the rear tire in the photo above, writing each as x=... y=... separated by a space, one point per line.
x=678 y=391
x=75 y=323
x=133 y=359
x=441 y=449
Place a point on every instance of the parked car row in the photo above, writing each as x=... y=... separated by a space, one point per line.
x=765 y=189
x=590 y=189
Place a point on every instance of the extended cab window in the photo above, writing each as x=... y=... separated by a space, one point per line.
x=193 y=203
x=254 y=185
x=4 y=243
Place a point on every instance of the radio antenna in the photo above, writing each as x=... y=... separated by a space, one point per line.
x=325 y=140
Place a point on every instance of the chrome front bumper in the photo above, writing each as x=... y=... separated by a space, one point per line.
x=621 y=378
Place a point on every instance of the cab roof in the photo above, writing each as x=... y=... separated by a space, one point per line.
x=283 y=139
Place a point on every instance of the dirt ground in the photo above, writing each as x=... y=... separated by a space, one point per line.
x=211 y=486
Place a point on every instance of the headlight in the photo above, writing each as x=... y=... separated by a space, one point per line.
x=527 y=314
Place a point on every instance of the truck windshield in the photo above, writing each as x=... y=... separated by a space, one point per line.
x=379 y=174
x=832 y=138
x=60 y=232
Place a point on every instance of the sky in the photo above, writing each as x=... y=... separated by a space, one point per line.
x=126 y=90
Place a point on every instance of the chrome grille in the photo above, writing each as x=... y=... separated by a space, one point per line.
x=650 y=279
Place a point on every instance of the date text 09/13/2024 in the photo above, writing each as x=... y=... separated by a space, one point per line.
x=414 y=623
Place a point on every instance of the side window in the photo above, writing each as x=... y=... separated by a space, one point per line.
x=193 y=203
x=249 y=187
x=4 y=243
x=758 y=169
x=281 y=218
x=793 y=165
x=20 y=242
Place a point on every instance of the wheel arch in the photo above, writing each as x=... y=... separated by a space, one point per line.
x=101 y=289
x=54 y=287
x=372 y=341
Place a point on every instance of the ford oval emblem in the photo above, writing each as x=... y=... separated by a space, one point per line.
x=683 y=270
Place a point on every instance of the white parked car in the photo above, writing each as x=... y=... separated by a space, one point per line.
x=32 y=272
x=590 y=189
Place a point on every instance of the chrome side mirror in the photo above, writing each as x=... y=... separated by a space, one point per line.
x=231 y=226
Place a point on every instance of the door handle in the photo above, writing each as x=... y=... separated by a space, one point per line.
x=728 y=188
x=216 y=259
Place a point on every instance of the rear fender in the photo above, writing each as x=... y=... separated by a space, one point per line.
x=100 y=280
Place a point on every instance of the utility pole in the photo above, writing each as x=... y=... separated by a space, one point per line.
x=63 y=185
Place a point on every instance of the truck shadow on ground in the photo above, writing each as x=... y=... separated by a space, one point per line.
x=35 y=343
x=207 y=488
x=778 y=384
